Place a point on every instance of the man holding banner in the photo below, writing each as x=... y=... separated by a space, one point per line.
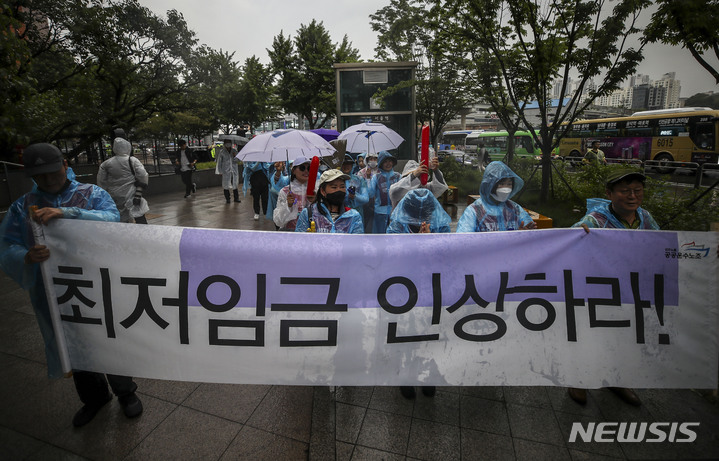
x=54 y=196
x=621 y=210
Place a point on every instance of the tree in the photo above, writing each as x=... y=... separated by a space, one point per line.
x=534 y=42
x=96 y=65
x=691 y=24
x=218 y=94
x=406 y=34
x=703 y=100
x=305 y=76
x=257 y=101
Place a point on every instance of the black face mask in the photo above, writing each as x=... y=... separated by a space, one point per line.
x=336 y=198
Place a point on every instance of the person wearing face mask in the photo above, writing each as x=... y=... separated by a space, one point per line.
x=328 y=212
x=379 y=190
x=227 y=166
x=493 y=210
x=278 y=180
x=357 y=195
x=124 y=178
x=293 y=198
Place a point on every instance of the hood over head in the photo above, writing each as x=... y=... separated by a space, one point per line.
x=121 y=147
x=495 y=172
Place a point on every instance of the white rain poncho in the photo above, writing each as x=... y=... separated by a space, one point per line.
x=409 y=182
x=124 y=177
x=228 y=167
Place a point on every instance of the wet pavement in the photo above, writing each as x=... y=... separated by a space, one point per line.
x=200 y=421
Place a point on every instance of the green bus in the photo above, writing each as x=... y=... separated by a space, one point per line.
x=496 y=144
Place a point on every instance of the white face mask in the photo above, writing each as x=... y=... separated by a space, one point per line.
x=372 y=163
x=502 y=194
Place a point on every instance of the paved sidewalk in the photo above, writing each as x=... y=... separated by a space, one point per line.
x=198 y=421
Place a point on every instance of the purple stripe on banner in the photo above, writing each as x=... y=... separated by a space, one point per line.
x=225 y=264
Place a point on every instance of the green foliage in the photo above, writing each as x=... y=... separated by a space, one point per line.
x=519 y=47
x=406 y=32
x=703 y=100
x=206 y=165
x=305 y=76
x=93 y=66
x=690 y=24
x=666 y=201
x=466 y=180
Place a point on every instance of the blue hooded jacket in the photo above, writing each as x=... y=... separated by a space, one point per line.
x=487 y=214
x=76 y=201
x=416 y=207
x=600 y=216
x=380 y=184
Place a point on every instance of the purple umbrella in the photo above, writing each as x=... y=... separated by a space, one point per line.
x=327 y=135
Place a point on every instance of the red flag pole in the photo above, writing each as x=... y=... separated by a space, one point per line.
x=424 y=157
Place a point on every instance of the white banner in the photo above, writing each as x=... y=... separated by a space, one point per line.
x=546 y=307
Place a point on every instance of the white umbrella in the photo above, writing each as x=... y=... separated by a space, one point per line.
x=370 y=138
x=285 y=145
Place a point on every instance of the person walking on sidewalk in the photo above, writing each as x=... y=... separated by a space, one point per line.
x=228 y=167
x=58 y=197
x=125 y=179
x=186 y=161
x=257 y=179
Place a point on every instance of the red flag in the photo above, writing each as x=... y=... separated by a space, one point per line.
x=314 y=167
x=424 y=156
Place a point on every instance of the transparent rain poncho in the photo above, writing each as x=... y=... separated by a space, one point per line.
x=488 y=214
x=76 y=201
x=600 y=216
x=417 y=207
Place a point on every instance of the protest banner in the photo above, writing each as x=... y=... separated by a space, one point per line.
x=556 y=307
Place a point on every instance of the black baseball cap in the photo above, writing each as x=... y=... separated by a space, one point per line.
x=42 y=158
x=618 y=175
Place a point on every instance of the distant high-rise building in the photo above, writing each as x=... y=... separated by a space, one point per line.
x=670 y=94
x=640 y=97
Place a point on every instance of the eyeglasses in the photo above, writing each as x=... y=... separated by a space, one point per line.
x=303 y=167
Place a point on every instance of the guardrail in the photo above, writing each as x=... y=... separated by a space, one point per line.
x=659 y=166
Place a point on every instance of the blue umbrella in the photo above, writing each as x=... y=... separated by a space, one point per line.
x=327 y=135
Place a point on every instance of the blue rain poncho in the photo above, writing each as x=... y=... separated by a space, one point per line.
x=122 y=176
x=408 y=182
x=76 y=201
x=600 y=216
x=356 y=167
x=349 y=222
x=228 y=167
x=379 y=190
x=487 y=214
x=361 y=194
x=250 y=169
x=276 y=186
x=418 y=206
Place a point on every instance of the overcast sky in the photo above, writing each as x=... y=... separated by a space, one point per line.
x=247 y=27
